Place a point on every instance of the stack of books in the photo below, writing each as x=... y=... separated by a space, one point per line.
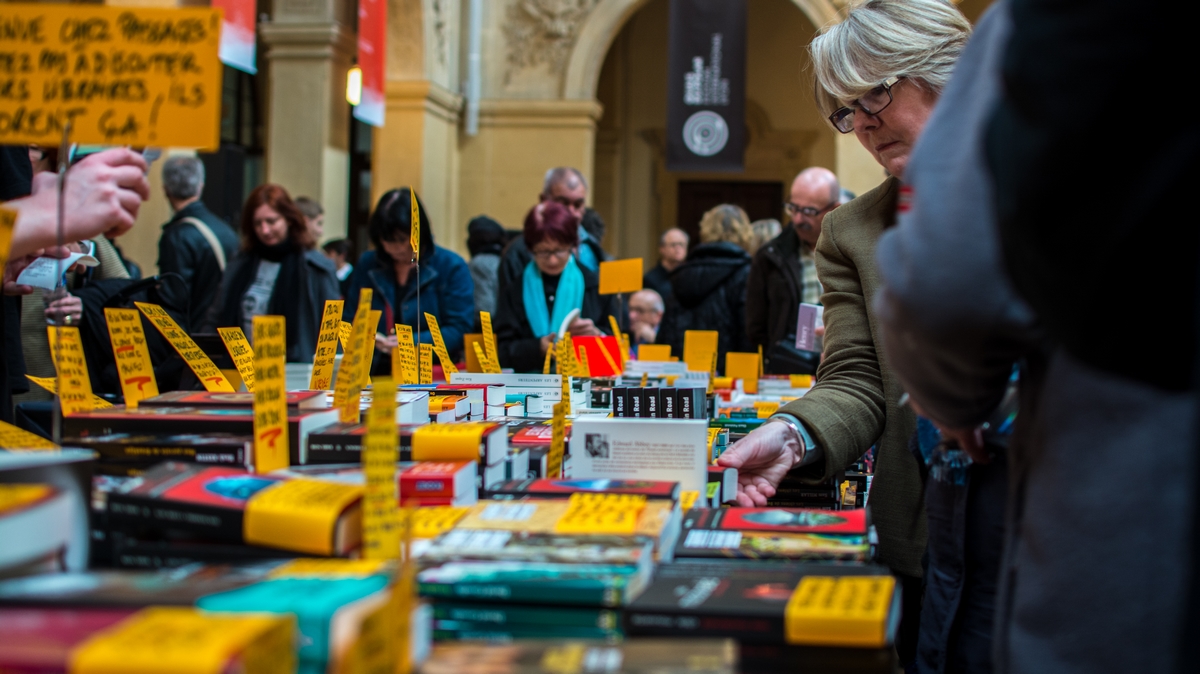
x=775 y=533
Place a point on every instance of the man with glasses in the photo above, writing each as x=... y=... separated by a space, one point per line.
x=672 y=252
x=784 y=272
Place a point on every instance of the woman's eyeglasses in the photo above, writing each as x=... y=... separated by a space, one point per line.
x=873 y=102
x=557 y=253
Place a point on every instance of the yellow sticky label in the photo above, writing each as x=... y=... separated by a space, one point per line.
x=566 y=359
x=601 y=514
x=131 y=355
x=721 y=382
x=426 y=364
x=406 y=351
x=743 y=366
x=301 y=515
x=616 y=330
x=119 y=75
x=546 y=363
x=241 y=352
x=344 y=331
x=332 y=568
x=449 y=442
x=585 y=370
x=414 y=236
x=270 y=399
x=489 y=342
x=74 y=384
x=326 y=353
x=698 y=349
x=12 y=437
x=348 y=387
x=369 y=359
x=206 y=371
x=475 y=355
x=8 y=220
x=760 y=362
x=659 y=353
x=558 y=440
x=16 y=496
x=687 y=499
x=435 y=521
x=801 y=380
x=645 y=379
x=439 y=346
x=189 y=641
x=51 y=384
x=840 y=611
x=381 y=516
x=621 y=276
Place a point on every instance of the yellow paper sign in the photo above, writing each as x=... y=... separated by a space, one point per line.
x=439 y=346
x=415 y=233
x=743 y=366
x=348 y=387
x=558 y=440
x=119 y=76
x=801 y=380
x=622 y=342
x=51 y=384
x=381 y=516
x=241 y=352
x=315 y=567
x=14 y=496
x=601 y=514
x=8 y=220
x=406 y=351
x=760 y=361
x=840 y=611
x=326 y=354
x=131 y=355
x=546 y=363
x=654 y=352
x=698 y=349
x=489 y=342
x=584 y=367
x=206 y=371
x=270 y=399
x=299 y=515
x=621 y=276
x=344 y=330
x=475 y=357
x=12 y=437
x=687 y=499
x=369 y=359
x=426 y=364
x=449 y=442
x=435 y=521
x=74 y=384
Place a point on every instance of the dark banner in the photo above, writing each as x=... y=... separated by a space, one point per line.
x=706 y=86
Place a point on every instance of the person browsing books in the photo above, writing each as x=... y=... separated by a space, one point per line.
x=436 y=283
x=553 y=286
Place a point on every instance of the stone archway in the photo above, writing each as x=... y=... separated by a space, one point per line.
x=609 y=16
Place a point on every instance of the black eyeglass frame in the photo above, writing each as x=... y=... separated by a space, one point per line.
x=792 y=209
x=843 y=118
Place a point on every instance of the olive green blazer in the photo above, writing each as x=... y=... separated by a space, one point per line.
x=854 y=403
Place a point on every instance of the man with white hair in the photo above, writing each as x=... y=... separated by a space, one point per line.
x=645 y=315
x=195 y=243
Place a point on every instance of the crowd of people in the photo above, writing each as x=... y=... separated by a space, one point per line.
x=1035 y=483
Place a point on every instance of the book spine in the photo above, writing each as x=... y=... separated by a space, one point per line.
x=636 y=401
x=442 y=631
x=504 y=614
x=426 y=485
x=127 y=511
x=683 y=399
x=650 y=403
x=668 y=403
x=597 y=593
x=232 y=454
x=660 y=623
x=620 y=401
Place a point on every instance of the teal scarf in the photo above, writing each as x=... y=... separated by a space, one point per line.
x=568 y=297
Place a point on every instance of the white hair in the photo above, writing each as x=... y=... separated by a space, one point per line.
x=917 y=39
x=562 y=174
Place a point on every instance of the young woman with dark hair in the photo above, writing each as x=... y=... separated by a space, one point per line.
x=553 y=284
x=445 y=288
x=276 y=273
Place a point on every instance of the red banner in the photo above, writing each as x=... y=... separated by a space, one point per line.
x=372 y=55
x=237 y=34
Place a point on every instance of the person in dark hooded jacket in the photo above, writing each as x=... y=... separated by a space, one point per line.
x=709 y=290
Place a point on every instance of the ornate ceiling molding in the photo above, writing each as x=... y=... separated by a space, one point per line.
x=543 y=32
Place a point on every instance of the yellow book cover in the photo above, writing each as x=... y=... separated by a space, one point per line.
x=843 y=611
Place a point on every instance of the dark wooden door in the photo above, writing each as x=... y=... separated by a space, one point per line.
x=760 y=200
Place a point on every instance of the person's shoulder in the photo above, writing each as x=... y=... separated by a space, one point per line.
x=447 y=257
x=317 y=259
x=871 y=204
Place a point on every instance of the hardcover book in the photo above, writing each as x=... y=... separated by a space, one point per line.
x=785 y=533
x=304 y=400
x=147 y=449
x=507 y=545
x=558 y=488
x=645 y=656
x=602 y=585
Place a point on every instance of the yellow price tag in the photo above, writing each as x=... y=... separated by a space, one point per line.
x=687 y=499
x=348 y=387
x=406 y=351
x=698 y=349
x=206 y=371
x=300 y=515
x=475 y=356
x=840 y=611
x=131 y=355
x=439 y=346
x=801 y=380
x=654 y=352
x=381 y=516
x=12 y=437
x=331 y=568
x=119 y=75
x=489 y=342
x=344 y=330
x=601 y=514
x=74 y=384
x=743 y=366
x=326 y=354
x=8 y=220
x=449 y=442
x=369 y=359
x=616 y=330
x=270 y=399
x=546 y=363
x=51 y=384
x=426 y=364
x=415 y=229
x=241 y=352
x=621 y=276
x=558 y=439
x=585 y=368
x=435 y=521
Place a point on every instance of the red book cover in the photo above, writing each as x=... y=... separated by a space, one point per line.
x=295 y=399
x=38 y=640
x=437 y=478
x=788 y=520
x=532 y=436
x=551 y=488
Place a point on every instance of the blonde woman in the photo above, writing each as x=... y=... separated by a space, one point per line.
x=709 y=290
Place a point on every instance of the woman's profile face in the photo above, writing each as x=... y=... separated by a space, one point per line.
x=890 y=135
x=400 y=249
x=269 y=226
x=551 y=256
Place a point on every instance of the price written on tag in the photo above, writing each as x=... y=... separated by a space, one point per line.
x=616 y=330
x=601 y=514
x=437 y=520
x=369 y=358
x=415 y=229
x=326 y=354
x=406 y=351
x=51 y=384
x=270 y=401
x=546 y=364
x=439 y=345
x=558 y=440
x=381 y=516
x=426 y=364
x=13 y=438
x=131 y=355
x=489 y=344
x=480 y=357
x=74 y=384
x=206 y=371
x=344 y=330
x=119 y=76
x=348 y=387
x=241 y=352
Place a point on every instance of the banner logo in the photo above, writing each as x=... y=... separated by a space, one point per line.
x=705 y=133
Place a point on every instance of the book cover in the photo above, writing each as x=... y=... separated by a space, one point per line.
x=539 y=583
x=174 y=587
x=147 y=449
x=650 y=403
x=525 y=615
x=559 y=488
x=668 y=403
x=131 y=552
x=456 y=630
x=773 y=533
x=620 y=401
x=507 y=545
x=785 y=520
x=641 y=449
x=41 y=640
x=643 y=656
x=304 y=400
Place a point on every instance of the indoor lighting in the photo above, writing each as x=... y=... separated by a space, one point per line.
x=354 y=86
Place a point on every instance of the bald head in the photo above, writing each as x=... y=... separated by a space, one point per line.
x=814 y=193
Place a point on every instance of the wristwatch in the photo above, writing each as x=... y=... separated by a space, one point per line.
x=794 y=423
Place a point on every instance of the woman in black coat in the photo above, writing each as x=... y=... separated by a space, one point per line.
x=553 y=284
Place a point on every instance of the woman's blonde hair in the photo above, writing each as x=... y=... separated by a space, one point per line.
x=727 y=223
x=917 y=39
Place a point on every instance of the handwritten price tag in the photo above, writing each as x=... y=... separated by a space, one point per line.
x=489 y=344
x=369 y=358
x=270 y=402
x=241 y=352
x=322 y=374
x=558 y=439
x=381 y=525
x=206 y=371
x=348 y=388
x=74 y=384
x=406 y=351
x=426 y=364
x=439 y=345
x=131 y=355
x=12 y=437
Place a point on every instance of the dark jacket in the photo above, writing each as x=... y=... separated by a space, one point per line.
x=447 y=292
x=516 y=255
x=774 y=290
x=183 y=250
x=658 y=279
x=321 y=285
x=709 y=293
x=518 y=347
